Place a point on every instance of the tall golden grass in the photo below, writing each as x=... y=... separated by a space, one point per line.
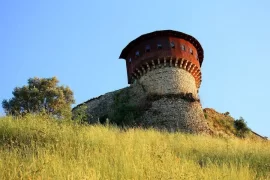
x=38 y=147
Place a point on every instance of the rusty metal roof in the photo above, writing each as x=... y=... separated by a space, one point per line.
x=173 y=33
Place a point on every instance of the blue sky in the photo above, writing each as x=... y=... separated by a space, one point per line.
x=80 y=41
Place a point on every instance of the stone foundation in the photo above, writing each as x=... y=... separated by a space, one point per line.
x=165 y=113
x=176 y=114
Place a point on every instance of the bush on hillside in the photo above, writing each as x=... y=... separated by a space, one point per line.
x=123 y=113
x=80 y=114
x=241 y=127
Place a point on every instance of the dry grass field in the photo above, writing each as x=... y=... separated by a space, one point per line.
x=38 y=147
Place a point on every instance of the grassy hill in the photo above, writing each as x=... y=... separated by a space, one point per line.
x=38 y=147
x=223 y=125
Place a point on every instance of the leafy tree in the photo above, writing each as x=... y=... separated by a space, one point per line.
x=40 y=95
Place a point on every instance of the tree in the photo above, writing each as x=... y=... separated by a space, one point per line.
x=40 y=95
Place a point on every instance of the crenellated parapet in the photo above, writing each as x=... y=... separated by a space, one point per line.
x=173 y=62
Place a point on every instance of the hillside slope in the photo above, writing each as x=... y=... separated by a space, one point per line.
x=37 y=147
x=223 y=125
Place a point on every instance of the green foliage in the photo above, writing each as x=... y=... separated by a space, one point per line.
x=123 y=112
x=125 y=115
x=241 y=127
x=39 y=147
x=41 y=95
x=80 y=114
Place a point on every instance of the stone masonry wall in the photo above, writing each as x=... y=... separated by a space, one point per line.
x=102 y=105
x=169 y=80
x=176 y=115
x=173 y=113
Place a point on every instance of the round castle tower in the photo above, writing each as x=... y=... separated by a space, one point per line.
x=168 y=62
x=165 y=62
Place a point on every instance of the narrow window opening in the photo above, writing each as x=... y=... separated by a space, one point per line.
x=147 y=48
x=137 y=54
x=159 y=46
x=183 y=47
x=197 y=57
x=191 y=51
x=172 y=45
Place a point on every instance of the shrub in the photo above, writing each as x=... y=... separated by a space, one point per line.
x=241 y=127
x=80 y=114
x=205 y=115
x=123 y=113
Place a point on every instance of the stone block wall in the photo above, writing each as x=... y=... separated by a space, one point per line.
x=101 y=106
x=169 y=80
x=176 y=114
x=172 y=113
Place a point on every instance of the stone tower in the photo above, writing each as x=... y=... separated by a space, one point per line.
x=164 y=73
x=165 y=62
x=168 y=63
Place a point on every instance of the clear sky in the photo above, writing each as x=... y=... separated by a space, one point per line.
x=80 y=41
